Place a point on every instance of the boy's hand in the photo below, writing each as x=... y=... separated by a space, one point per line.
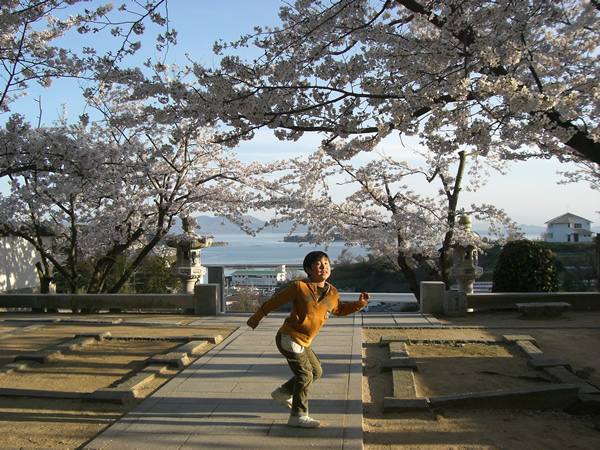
x=252 y=322
x=364 y=297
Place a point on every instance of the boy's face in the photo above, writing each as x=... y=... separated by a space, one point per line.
x=319 y=271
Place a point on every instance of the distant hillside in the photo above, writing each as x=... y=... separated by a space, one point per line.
x=218 y=226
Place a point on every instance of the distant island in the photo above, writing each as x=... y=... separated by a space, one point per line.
x=219 y=226
x=216 y=226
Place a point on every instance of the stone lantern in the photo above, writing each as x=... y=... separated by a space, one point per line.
x=188 y=245
x=464 y=261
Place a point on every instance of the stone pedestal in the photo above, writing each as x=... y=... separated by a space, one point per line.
x=455 y=303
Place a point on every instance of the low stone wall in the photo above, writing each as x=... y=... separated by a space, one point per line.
x=509 y=300
x=206 y=300
x=433 y=295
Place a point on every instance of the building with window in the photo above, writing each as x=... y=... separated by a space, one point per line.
x=259 y=278
x=568 y=228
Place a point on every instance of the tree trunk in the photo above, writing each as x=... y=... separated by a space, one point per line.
x=135 y=264
x=45 y=277
x=453 y=196
x=106 y=263
x=411 y=277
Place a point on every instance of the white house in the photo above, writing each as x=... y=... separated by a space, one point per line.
x=568 y=228
x=260 y=278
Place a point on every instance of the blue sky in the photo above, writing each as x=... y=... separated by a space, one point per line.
x=529 y=193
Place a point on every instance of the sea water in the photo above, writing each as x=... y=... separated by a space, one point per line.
x=267 y=248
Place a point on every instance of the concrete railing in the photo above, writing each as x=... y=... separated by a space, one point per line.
x=508 y=300
x=433 y=294
x=206 y=300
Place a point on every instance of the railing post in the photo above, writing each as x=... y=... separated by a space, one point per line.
x=216 y=275
x=432 y=297
x=207 y=301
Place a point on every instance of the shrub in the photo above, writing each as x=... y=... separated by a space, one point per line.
x=525 y=266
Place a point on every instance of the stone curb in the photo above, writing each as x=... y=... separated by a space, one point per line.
x=573 y=393
x=54 y=352
x=124 y=391
x=545 y=397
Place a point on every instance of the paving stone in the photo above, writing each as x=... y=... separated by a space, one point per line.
x=31 y=319
x=212 y=338
x=42 y=357
x=148 y=338
x=541 y=361
x=399 y=363
x=398 y=350
x=86 y=320
x=519 y=337
x=562 y=375
x=98 y=336
x=75 y=343
x=385 y=340
x=16 y=365
x=178 y=359
x=528 y=347
x=192 y=347
x=455 y=341
x=40 y=393
x=125 y=391
x=404 y=383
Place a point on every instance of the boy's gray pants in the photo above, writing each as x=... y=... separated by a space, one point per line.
x=306 y=368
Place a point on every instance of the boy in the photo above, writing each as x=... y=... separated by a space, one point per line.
x=313 y=300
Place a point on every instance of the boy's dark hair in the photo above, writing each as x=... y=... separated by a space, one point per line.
x=313 y=257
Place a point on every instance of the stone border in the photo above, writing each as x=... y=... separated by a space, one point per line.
x=570 y=393
x=543 y=309
x=126 y=390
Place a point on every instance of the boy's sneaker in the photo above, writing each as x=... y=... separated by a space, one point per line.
x=282 y=397
x=303 y=422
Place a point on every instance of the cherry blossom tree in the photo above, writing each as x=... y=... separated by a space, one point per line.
x=503 y=76
x=113 y=187
x=30 y=28
x=505 y=80
x=381 y=212
x=516 y=78
x=113 y=191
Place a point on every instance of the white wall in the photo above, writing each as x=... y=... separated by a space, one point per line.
x=17 y=264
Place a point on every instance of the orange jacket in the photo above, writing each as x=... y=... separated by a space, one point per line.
x=309 y=313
